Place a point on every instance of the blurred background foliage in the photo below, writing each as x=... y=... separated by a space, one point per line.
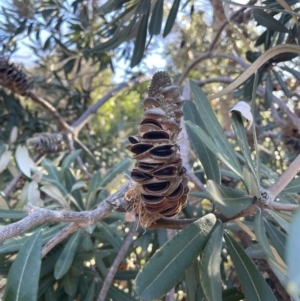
x=74 y=53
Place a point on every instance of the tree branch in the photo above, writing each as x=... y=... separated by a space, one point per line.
x=38 y=216
x=114 y=267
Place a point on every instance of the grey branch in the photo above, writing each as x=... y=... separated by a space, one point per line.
x=38 y=216
x=114 y=268
x=59 y=237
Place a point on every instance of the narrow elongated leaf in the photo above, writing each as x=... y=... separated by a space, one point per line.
x=52 y=170
x=205 y=155
x=292 y=71
x=293 y=256
x=261 y=236
x=278 y=239
x=67 y=256
x=253 y=283
x=285 y=225
x=193 y=283
x=114 y=239
x=168 y=264
x=91 y=292
x=268 y=21
x=238 y=127
x=140 y=41
x=171 y=17
x=55 y=193
x=232 y=294
x=156 y=18
x=4 y=160
x=268 y=92
x=282 y=84
x=210 y=265
x=13 y=214
x=23 y=160
x=116 y=40
x=228 y=200
x=20 y=286
x=112 y=172
x=70 y=158
x=213 y=147
x=213 y=126
x=293 y=186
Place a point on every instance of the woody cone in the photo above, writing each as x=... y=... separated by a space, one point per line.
x=160 y=185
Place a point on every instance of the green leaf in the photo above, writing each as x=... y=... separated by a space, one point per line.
x=70 y=158
x=52 y=171
x=113 y=238
x=193 y=283
x=250 y=182
x=293 y=186
x=66 y=258
x=91 y=292
x=278 y=239
x=282 y=84
x=228 y=200
x=126 y=275
x=23 y=278
x=232 y=294
x=239 y=129
x=70 y=283
x=253 y=283
x=293 y=256
x=268 y=92
x=210 y=265
x=116 y=40
x=261 y=236
x=292 y=71
x=140 y=40
x=205 y=155
x=112 y=172
x=268 y=21
x=171 y=17
x=156 y=18
x=281 y=222
x=13 y=214
x=213 y=126
x=168 y=264
x=213 y=147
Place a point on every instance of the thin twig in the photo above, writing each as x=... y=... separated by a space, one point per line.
x=114 y=267
x=59 y=237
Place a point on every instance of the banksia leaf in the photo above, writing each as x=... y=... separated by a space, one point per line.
x=46 y=143
x=13 y=77
x=160 y=187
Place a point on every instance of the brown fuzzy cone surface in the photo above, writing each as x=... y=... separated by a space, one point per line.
x=13 y=77
x=160 y=188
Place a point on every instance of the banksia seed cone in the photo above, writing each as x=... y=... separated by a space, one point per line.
x=46 y=143
x=13 y=77
x=160 y=187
